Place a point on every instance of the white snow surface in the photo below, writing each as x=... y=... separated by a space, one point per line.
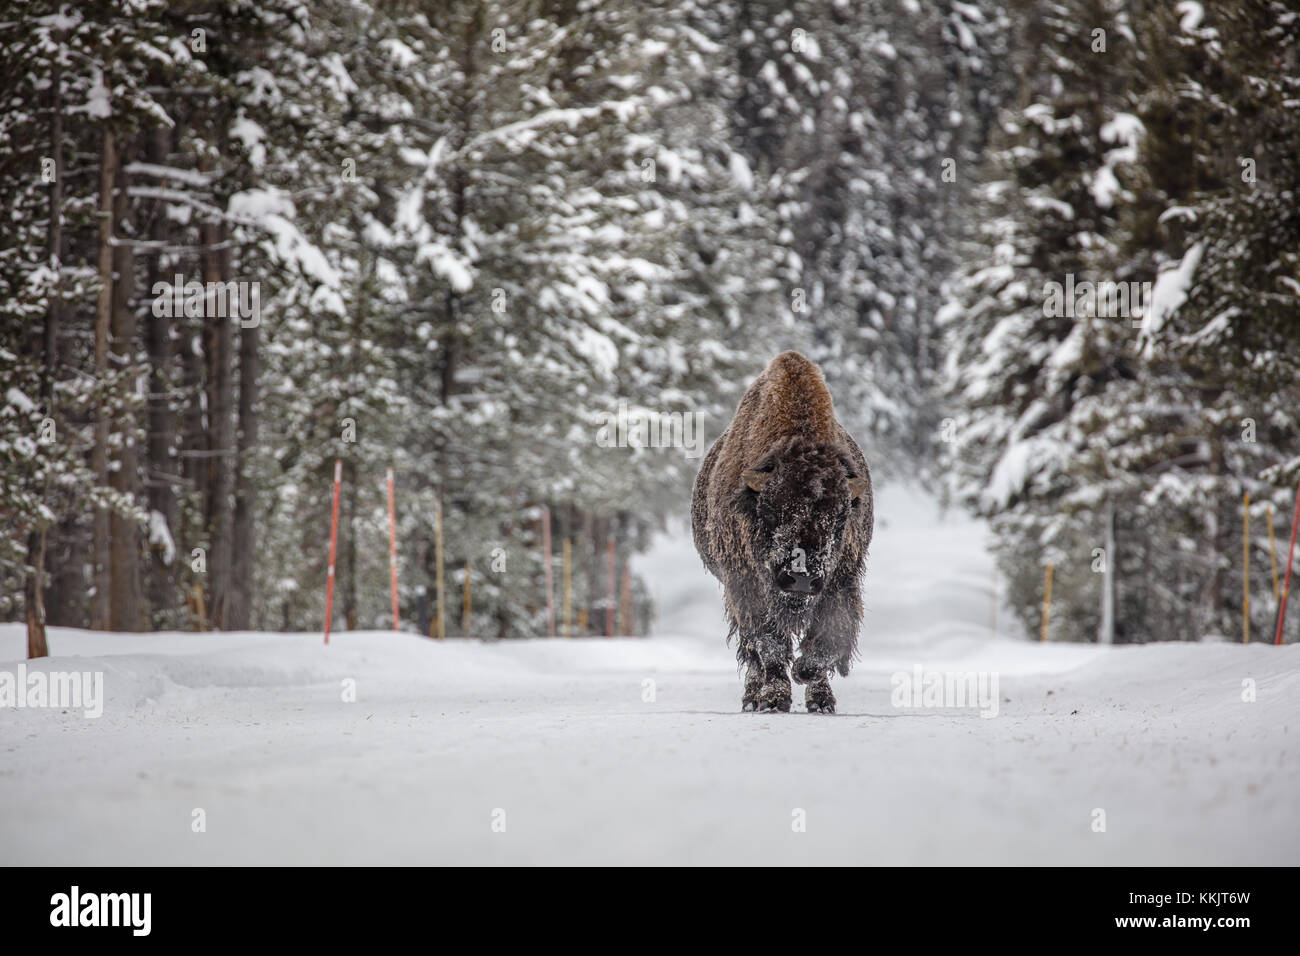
x=443 y=736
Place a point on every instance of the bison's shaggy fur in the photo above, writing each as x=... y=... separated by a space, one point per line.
x=782 y=516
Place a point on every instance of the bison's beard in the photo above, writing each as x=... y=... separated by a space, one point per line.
x=792 y=613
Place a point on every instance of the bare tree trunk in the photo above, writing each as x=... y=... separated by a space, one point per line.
x=163 y=587
x=66 y=595
x=239 y=607
x=55 y=236
x=193 y=442
x=124 y=530
x=99 y=608
x=193 y=433
x=36 y=643
x=1107 y=633
x=193 y=445
x=502 y=615
x=34 y=590
x=461 y=121
x=218 y=345
x=422 y=615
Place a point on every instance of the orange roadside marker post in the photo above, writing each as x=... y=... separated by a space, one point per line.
x=1290 y=557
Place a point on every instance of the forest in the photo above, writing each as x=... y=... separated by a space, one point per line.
x=242 y=240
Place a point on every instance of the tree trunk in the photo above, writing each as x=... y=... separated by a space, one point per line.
x=422 y=615
x=239 y=607
x=193 y=445
x=124 y=530
x=218 y=344
x=193 y=439
x=163 y=586
x=99 y=608
x=34 y=590
x=55 y=239
x=36 y=644
x=66 y=595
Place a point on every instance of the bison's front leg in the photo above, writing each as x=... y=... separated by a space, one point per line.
x=753 y=679
x=810 y=670
x=763 y=648
x=828 y=646
x=774 y=656
x=765 y=656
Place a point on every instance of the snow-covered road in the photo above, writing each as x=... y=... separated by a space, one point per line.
x=635 y=751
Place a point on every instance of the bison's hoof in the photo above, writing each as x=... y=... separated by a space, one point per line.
x=775 y=696
x=819 y=699
x=748 y=704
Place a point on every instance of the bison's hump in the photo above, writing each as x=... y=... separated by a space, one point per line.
x=788 y=400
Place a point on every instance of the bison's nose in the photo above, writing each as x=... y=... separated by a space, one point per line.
x=797 y=582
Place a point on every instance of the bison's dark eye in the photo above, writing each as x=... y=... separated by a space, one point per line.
x=755 y=478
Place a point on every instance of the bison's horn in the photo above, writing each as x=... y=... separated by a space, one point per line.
x=754 y=478
x=857 y=485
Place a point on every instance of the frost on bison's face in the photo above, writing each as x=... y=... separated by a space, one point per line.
x=798 y=499
x=782 y=516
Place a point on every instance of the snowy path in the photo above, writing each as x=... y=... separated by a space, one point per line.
x=252 y=729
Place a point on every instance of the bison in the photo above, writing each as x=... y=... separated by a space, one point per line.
x=782 y=515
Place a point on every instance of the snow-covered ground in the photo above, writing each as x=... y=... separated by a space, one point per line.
x=635 y=751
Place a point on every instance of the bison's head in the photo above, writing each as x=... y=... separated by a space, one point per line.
x=799 y=498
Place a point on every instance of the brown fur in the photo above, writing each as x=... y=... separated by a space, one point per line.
x=785 y=424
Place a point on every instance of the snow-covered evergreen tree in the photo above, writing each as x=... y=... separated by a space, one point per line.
x=1095 y=438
